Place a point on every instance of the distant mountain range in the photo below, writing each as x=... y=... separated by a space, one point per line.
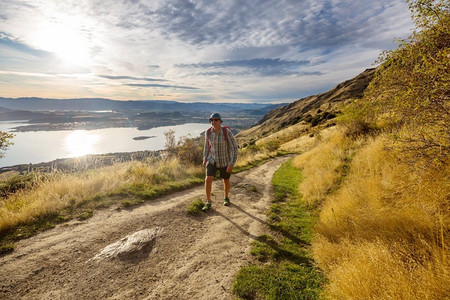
x=67 y=114
x=100 y=104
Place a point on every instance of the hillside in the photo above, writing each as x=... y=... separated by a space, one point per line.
x=373 y=188
x=310 y=110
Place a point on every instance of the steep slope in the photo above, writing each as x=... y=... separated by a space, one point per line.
x=311 y=110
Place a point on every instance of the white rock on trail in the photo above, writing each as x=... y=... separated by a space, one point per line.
x=134 y=246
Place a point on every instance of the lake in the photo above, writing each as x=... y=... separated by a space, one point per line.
x=43 y=146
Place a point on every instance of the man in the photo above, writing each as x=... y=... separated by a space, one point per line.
x=219 y=154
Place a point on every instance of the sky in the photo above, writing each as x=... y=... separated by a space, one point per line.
x=248 y=51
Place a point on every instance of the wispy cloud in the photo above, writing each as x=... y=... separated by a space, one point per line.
x=7 y=41
x=130 y=77
x=148 y=85
x=261 y=66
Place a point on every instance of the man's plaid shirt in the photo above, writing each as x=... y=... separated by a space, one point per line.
x=221 y=153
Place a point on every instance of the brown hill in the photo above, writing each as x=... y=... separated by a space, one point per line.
x=311 y=110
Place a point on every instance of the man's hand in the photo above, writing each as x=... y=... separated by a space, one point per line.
x=229 y=169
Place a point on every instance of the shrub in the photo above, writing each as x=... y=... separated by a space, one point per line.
x=271 y=145
x=190 y=150
x=410 y=91
x=5 y=141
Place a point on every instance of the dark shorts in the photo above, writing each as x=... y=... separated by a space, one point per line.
x=211 y=170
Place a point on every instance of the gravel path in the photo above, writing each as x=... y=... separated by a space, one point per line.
x=193 y=257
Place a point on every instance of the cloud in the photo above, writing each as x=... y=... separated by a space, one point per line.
x=130 y=77
x=303 y=24
x=261 y=66
x=256 y=63
x=17 y=57
x=8 y=41
x=161 y=86
x=227 y=50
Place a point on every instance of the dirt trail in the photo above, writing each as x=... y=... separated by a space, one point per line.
x=193 y=258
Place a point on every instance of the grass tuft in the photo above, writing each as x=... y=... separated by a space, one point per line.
x=85 y=215
x=6 y=248
x=195 y=207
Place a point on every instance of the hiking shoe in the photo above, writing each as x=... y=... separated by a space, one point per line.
x=226 y=201
x=206 y=206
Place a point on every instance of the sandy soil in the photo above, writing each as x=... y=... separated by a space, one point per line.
x=193 y=258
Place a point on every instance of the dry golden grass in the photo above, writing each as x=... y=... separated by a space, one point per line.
x=320 y=165
x=382 y=198
x=249 y=157
x=380 y=270
x=47 y=197
x=299 y=145
x=61 y=190
x=286 y=134
x=383 y=234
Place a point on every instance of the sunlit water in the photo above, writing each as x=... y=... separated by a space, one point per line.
x=43 y=146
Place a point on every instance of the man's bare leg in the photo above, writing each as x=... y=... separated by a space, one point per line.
x=208 y=187
x=226 y=187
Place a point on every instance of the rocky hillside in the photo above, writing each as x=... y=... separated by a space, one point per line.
x=312 y=110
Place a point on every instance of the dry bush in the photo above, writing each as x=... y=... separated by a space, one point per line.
x=190 y=150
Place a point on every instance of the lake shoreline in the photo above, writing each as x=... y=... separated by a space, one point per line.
x=48 y=146
x=82 y=163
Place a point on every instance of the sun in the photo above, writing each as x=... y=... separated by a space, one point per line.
x=81 y=142
x=67 y=40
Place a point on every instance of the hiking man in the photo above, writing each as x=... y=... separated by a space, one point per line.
x=219 y=154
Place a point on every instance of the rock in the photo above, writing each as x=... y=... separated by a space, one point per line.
x=136 y=246
x=143 y=137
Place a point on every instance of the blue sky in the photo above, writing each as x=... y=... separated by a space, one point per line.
x=198 y=50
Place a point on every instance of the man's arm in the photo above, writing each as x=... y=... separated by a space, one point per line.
x=205 y=149
x=233 y=147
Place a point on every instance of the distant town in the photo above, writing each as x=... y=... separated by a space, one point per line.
x=53 y=114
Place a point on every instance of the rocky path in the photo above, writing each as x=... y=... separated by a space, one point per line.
x=190 y=258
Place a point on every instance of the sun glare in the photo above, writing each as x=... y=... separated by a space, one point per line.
x=81 y=142
x=65 y=39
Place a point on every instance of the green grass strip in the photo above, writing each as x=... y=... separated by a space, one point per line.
x=284 y=267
